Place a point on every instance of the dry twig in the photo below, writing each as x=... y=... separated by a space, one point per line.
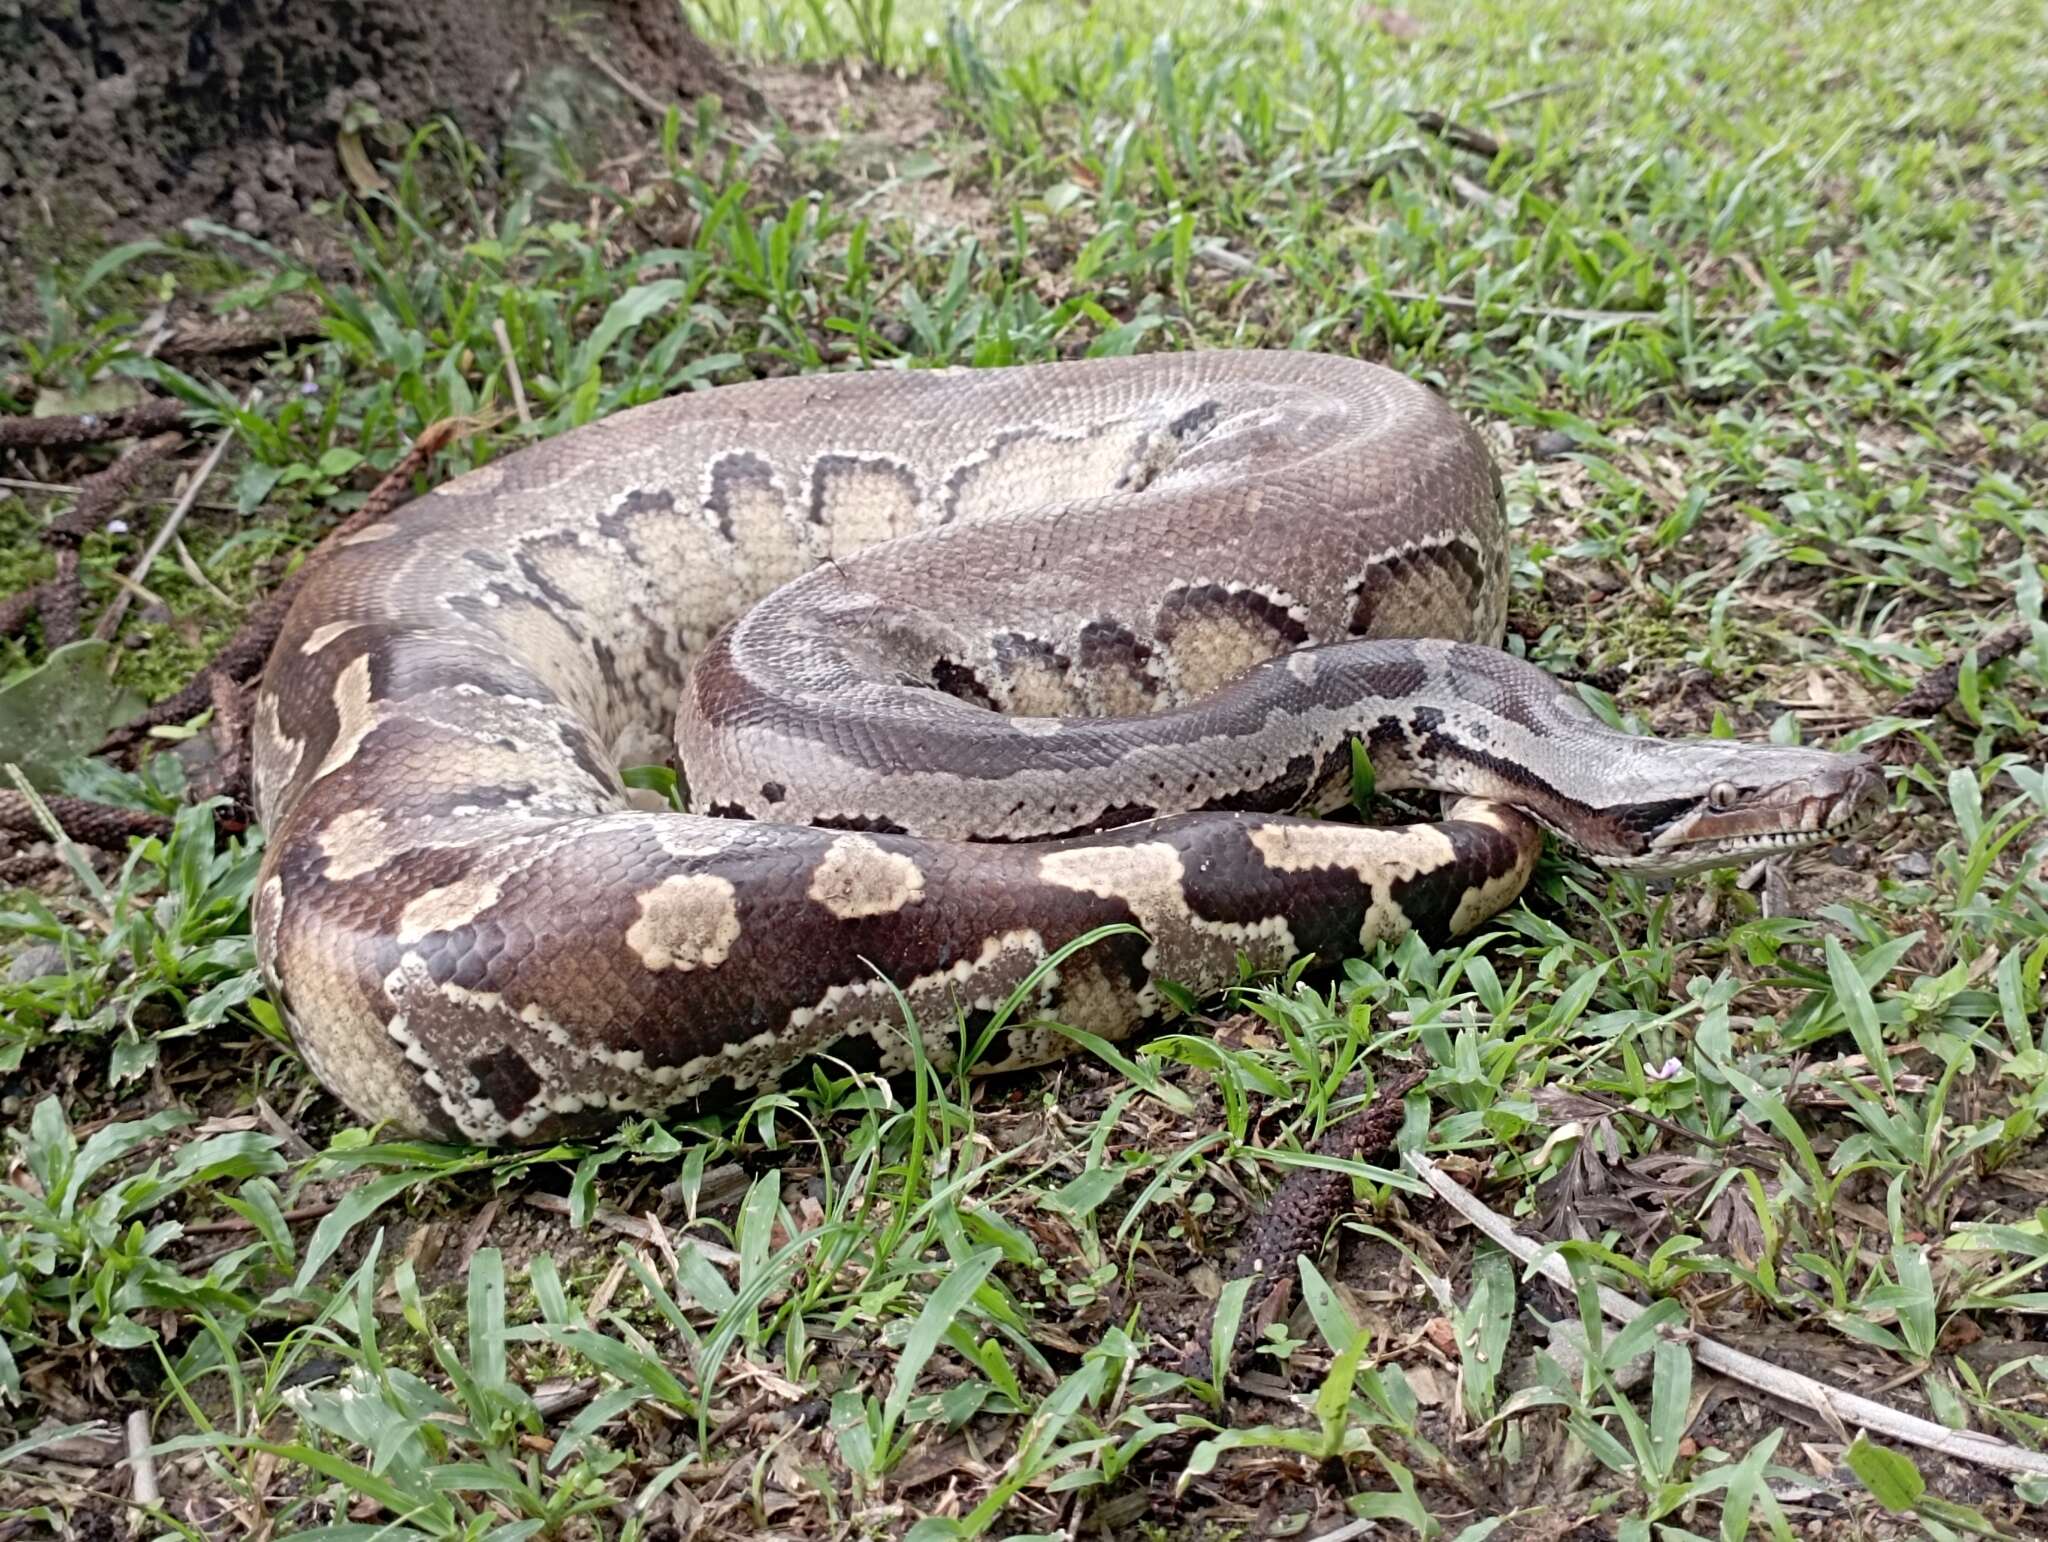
x=239 y=1224
x=23 y=866
x=1840 y=1408
x=103 y=825
x=1303 y=1205
x=1453 y=302
x=512 y=375
x=111 y=618
x=58 y=599
x=242 y=656
x=1452 y=132
x=1348 y=1531
x=28 y=433
x=231 y=739
x=611 y=72
x=640 y=1230
x=70 y=490
x=287 y=321
x=1937 y=688
x=101 y=493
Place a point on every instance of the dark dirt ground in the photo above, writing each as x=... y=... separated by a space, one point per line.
x=125 y=118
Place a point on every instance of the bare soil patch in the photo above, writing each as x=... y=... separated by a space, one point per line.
x=129 y=117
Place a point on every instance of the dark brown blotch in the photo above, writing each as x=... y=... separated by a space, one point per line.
x=1281 y=795
x=617 y=521
x=1368 y=591
x=478 y=796
x=732 y=474
x=583 y=750
x=1505 y=686
x=1110 y=645
x=532 y=562
x=1457 y=561
x=960 y=680
x=405 y=668
x=1480 y=853
x=1396 y=678
x=1218 y=602
x=504 y=1077
x=831 y=467
x=1112 y=818
x=869 y=824
x=479 y=611
x=1389 y=733
x=1441 y=744
x=1226 y=878
x=1464 y=556
x=1016 y=652
x=1193 y=424
x=608 y=666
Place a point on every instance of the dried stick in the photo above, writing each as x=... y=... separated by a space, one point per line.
x=1534 y=94
x=633 y=1226
x=59 y=601
x=29 y=864
x=151 y=417
x=1830 y=1403
x=1303 y=1205
x=105 y=825
x=1348 y=1531
x=1452 y=132
x=111 y=617
x=195 y=572
x=1455 y=302
x=69 y=490
x=100 y=493
x=239 y=1224
x=605 y=67
x=243 y=656
x=231 y=739
x=98 y=496
x=203 y=338
x=1937 y=688
x=512 y=369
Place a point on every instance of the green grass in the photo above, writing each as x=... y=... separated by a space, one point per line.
x=1751 y=306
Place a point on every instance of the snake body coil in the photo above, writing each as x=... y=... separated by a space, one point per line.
x=961 y=665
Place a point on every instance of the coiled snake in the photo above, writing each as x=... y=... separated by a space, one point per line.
x=960 y=665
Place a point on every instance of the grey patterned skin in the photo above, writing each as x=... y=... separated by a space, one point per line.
x=958 y=665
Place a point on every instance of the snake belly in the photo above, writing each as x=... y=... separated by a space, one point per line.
x=1013 y=612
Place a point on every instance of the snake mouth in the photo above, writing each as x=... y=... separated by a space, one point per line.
x=1718 y=830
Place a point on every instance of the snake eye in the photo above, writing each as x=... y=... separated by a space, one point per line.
x=1721 y=795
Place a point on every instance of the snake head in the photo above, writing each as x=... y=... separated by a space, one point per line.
x=1738 y=805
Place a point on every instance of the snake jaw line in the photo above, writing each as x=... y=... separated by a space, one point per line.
x=1837 y=799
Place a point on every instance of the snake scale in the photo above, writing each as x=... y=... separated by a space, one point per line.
x=956 y=666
